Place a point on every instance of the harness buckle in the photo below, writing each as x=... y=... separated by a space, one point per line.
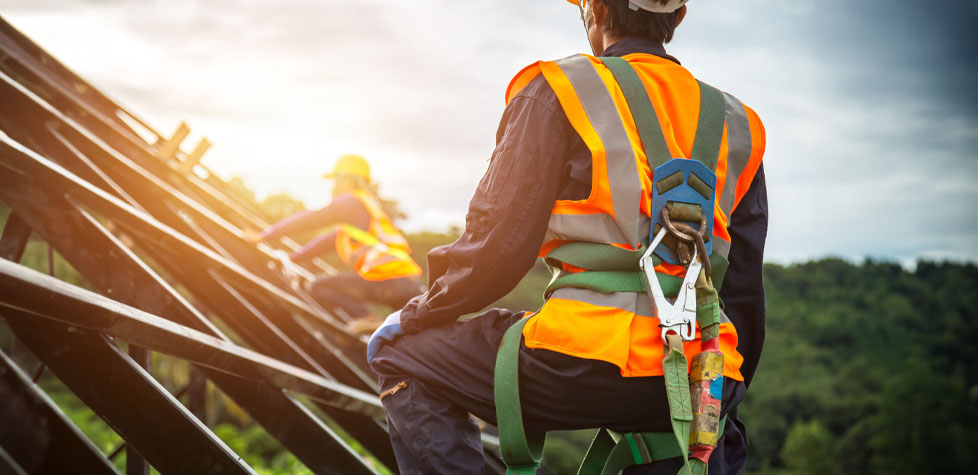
x=678 y=316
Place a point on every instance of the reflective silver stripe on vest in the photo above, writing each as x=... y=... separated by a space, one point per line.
x=389 y=239
x=739 y=148
x=381 y=259
x=626 y=188
x=373 y=208
x=721 y=246
x=634 y=302
x=598 y=227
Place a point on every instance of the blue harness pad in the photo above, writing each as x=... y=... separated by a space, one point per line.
x=672 y=184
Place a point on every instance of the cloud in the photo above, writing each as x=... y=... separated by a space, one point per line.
x=870 y=107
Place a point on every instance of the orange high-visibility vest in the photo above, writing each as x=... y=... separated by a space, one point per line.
x=621 y=327
x=380 y=252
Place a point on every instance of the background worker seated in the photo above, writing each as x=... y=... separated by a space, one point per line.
x=364 y=238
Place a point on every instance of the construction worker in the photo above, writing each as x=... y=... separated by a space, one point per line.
x=573 y=167
x=366 y=241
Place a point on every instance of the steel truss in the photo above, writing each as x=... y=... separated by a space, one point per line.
x=138 y=217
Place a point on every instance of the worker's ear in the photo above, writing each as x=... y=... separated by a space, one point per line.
x=680 y=15
x=599 y=11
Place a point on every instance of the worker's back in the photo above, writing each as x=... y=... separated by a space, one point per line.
x=571 y=180
x=620 y=327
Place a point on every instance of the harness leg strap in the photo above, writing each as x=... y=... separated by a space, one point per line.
x=520 y=451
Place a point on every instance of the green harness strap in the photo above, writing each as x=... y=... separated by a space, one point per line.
x=709 y=128
x=610 y=452
x=646 y=122
x=592 y=255
x=675 y=371
x=520 y=452
x=616 y=270
x=579 y=254
x=613 y=269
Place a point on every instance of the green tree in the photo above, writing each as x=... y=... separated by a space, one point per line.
x=808 y=449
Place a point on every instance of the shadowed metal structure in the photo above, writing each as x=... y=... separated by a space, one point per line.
x=139 y=218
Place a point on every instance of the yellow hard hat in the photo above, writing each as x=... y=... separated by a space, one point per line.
x=353 y=165
x=655 y=6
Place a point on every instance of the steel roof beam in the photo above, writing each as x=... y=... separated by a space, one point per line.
x=37 y=435
x=113 y=268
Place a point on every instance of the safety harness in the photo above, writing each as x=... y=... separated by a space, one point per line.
x=685 y=192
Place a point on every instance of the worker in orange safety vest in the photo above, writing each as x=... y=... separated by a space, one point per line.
x=366 y=241
x=572 y=181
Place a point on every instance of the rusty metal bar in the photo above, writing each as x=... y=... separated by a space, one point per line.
x=14 y=239
x=24 y=162
x=188 y=164
x=126 y=397
x=91 y=249
x=36 y=435
x=9 y=466
x=171 y=145
x=35 y=294
x=86 y=181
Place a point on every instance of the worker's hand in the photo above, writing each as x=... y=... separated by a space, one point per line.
x=251 y=235
x=388 y=331
x=290 y=270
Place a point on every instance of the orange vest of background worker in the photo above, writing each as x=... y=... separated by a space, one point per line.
x=364 y=238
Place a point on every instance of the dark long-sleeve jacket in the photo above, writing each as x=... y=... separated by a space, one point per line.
x=345 y=208
x=538 y=159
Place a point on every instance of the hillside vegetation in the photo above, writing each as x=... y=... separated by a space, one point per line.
x=868 y=368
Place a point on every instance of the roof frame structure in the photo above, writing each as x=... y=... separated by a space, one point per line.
x=159 y=238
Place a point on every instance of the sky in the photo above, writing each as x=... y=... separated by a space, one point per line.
x=870 y=107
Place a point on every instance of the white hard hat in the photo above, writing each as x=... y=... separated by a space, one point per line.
x=654 y=6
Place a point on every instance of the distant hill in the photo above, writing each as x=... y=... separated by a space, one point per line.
x=867 y=368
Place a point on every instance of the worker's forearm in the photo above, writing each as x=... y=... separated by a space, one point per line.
x=344 y=209
x=297 y=223
x=317 y=247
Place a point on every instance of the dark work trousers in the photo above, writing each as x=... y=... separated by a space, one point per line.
x=448 y=372
x=349 y=291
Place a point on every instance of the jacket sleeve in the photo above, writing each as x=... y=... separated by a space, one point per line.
x=324 y=244
x=743 y=285
x=343 y=209
x=506 y=221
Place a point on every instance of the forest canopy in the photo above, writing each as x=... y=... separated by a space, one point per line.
x=867 y=368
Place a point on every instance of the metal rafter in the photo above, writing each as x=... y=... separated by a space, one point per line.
x=76 y=171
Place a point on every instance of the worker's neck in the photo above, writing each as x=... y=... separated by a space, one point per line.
x=606 y=42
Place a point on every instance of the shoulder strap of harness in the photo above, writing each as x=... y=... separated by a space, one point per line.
x=709 y=129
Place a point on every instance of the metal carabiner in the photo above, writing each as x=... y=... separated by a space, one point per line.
x=678 y=316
